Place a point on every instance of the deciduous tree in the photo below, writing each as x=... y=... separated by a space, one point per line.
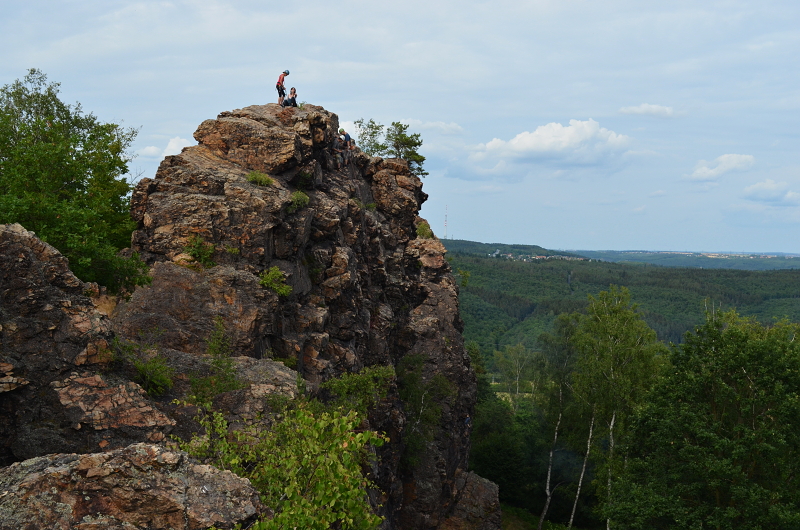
x=62 y=175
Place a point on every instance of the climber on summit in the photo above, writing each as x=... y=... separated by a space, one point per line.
x=280 y=87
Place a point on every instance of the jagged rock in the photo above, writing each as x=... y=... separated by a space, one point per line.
x=477 y=507
x=181 y=304
x=365 y=289
x=52 y=340
x=140 y=486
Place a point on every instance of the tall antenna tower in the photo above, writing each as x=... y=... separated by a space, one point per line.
x=445 y=221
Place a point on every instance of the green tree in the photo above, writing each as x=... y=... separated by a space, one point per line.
x=400 y=144
x=516 y=365
x=62 y=175
x=717 y=444
x=370 y=137
x=618 y=361
x=394 y=143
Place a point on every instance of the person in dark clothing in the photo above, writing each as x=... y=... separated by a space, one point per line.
x=291 y=101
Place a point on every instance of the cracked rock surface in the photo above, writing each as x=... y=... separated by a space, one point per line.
x=139 y=486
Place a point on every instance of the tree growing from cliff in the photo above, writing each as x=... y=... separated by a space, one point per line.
x=394 y=143
x=62 y=175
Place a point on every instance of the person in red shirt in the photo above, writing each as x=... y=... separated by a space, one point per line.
x=280 y=87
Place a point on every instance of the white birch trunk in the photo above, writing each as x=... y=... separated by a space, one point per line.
x=583 y=471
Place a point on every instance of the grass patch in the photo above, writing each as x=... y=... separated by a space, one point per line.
x=259 y=178
x=299 y=201
x=424 y=230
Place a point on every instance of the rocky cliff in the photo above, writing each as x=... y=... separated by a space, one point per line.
x=365 y=290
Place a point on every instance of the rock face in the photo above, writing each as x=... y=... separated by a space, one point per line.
x=365 y=289
x=140 y=486
x=52 y=343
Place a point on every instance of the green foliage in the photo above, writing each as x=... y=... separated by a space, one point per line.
x=484 y=392
x=62 y=175
x=274 y=279
x=400 y=144
x=370 y=136
x=511 y=302
x=424 y=230
x=422 y=396
x=718 y=441
x=360 y=391
x=304 y=180
x=232 y=250
x=257 y=177
x=201 y=251
x=395 y=143
x=152 y=371
x=307 y=466
x=299 y=201
x=223 y=372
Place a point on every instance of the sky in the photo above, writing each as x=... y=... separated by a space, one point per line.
x=613 y=125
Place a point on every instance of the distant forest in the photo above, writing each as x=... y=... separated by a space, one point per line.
x=622 y=395
x=754 y=262
x=506 y=302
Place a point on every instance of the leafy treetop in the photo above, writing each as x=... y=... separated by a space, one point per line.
x=62 y=175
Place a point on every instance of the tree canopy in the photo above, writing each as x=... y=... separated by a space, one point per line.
x=62 y=175
x=716 y=445
x=395 y=142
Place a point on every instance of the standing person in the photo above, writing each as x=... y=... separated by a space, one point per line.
x=280 y=87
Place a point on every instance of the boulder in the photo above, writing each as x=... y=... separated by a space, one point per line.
x=139 y=486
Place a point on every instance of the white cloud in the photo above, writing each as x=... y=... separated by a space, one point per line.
x=580 y=141
x=149 y=151
x=723 y=164
x=769 y=191
x=174 y=147
x=659 y=193
x=439 y=126
x=648 y=109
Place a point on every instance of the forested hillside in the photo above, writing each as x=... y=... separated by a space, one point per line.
x=506 y=302
x=589 y=418
x=706 y=260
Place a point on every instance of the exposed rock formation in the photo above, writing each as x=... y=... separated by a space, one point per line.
x=365 y=289
x=52 y=341
x=140 y=486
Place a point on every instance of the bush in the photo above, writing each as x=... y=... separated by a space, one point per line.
x=200 y=251
x=223 y=373
x=152 y=371
x=309 y=466
x=299 y=200
x=257 y=177
x=275 y=280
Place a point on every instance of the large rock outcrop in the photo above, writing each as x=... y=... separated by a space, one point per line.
x=366 y=289
x=54 y=397
x=140 y=486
